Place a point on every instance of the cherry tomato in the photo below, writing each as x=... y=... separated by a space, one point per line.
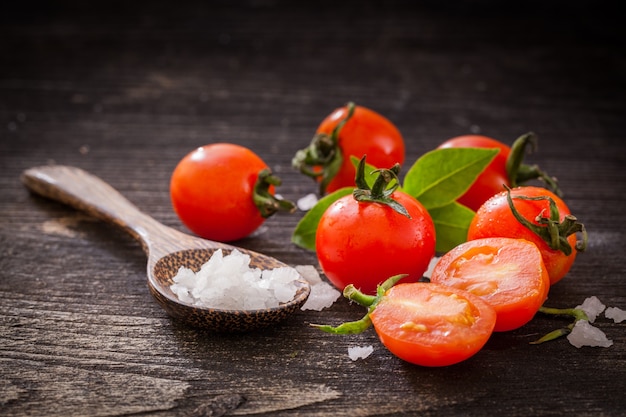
x=432 y=325
x=213 y=191
x=551 y=222
x=508 y=274
x=364 y=243
x=349 y=131
x=492 y=180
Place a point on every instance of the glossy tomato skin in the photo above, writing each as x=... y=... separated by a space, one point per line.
x=366 y=243
x=492 y=180
x=509 y=274
x=431 y=324
x=366 y=133
x=211 y=190
x=495 y=219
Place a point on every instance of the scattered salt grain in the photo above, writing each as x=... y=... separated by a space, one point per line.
x=616 y=314
x=307 y=202
x=323 y=295
x=360 y=352
x=584 y=334
x=592 y=306
x=228 y=282
x=431 y=266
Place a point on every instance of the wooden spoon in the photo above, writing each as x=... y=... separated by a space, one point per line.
x=167 y=249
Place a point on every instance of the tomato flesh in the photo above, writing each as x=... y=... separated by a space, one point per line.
x=211 y=191
x=509 y=274
x=495 y=219
x=366 y=243
x=365 y=133
x=432 y=325
x=492 y=180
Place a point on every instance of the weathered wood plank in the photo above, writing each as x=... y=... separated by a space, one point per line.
x=125 y=90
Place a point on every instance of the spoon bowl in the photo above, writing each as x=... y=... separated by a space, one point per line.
x=167 y=249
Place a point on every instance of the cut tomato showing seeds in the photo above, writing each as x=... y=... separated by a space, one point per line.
x=509 y=274
x=432 y=325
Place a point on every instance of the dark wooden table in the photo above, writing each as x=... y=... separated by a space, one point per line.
x=125 y=89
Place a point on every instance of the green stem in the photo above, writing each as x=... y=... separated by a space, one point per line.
x=551 y=229
x=378 y=193
x=267 y=203
x=576 y=313
x=519 y=173
x=323 y=158
x=369 y=301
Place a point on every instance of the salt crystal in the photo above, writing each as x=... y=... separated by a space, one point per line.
x=307 y=202
x=360 y=352
x=309 y=273
x=584 y=334
x=431 y=266
x=323 y=295
x=616 y=314
x=228 y=282
x=592 y=306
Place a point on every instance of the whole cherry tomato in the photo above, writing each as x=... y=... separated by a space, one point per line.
x=506 y=169
x=365 y=238
x=349 y=131
x=224 y=192
x=537 y=215
x=492 y=180
x=432 y=325
x=509 y=274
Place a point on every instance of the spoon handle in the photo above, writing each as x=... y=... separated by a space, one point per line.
x=86 y=192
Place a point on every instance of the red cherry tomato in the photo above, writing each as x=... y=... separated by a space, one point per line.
x=359 y=131
x=432 y=325
x=508 y=274
x=212 y=191
x=492 y=180
x=496 y=219
x=364 y=243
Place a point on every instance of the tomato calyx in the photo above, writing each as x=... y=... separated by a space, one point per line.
x=519 y=173
x=370 y=301
x=323 y=157
x=549 y=228
x=379 y=192
x=267 y=203
x=577 y=313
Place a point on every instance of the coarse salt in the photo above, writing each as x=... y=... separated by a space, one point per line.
x=584 y=334
x=228 y=282
x=307 y=202
x=431 y=266
x=592 y=306
x=616 y=314
x=360 y=352
x=323 y=295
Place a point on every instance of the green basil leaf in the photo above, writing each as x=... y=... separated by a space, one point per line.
x=451 y=225
x=441 y=176
x=304 y=233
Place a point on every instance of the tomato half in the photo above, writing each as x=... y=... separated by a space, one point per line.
x=508 y=274
x=432 y=325
x=492 y=180
x=360 y=131
x=364 y=243
x=495 y=219
x=212 y=191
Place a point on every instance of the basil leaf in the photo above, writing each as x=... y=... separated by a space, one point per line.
x=451 y=225
x=441 y=176
x=304 y=233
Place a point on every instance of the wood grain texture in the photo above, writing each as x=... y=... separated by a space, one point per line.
x=126 y=89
